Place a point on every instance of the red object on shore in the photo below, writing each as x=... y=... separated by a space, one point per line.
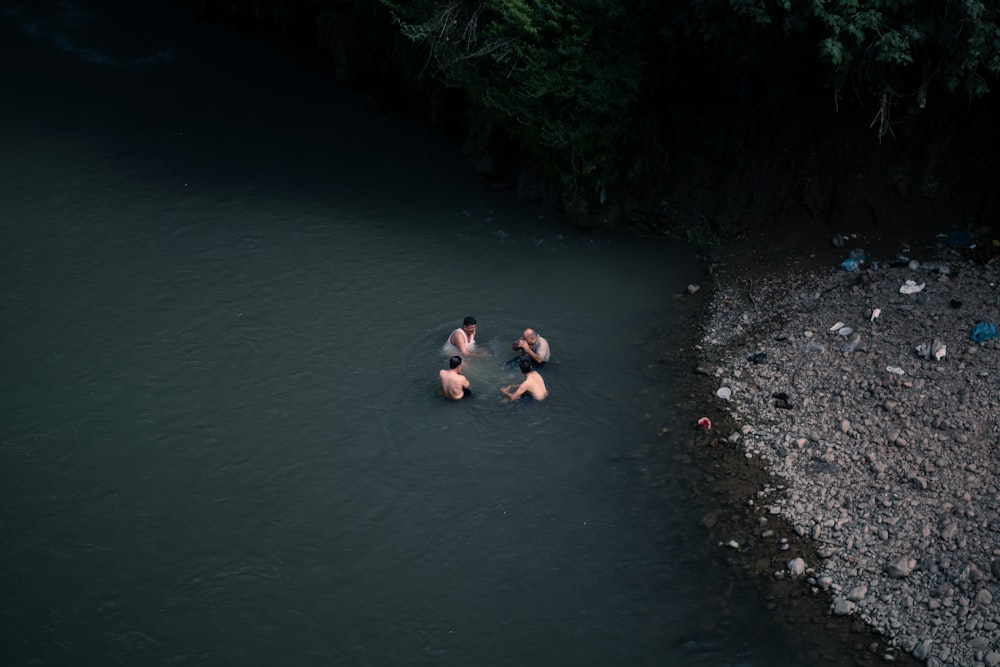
x=705 y=423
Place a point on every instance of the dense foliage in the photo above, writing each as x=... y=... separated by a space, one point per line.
x=598 y=90
x=561 y=77
x=575 y=79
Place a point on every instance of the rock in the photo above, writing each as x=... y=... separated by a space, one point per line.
x=796 y=567
x=857 y=593
x=842 y=607
x=923 y=649
x=901 y=567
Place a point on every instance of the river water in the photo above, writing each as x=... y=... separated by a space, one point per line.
x=226 y=285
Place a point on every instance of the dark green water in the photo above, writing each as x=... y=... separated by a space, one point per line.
x=226 y=282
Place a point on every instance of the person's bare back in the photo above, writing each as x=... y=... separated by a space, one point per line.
x=454 y=385
x=533 y=385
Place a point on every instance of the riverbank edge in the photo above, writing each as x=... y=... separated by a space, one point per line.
x=903 y=577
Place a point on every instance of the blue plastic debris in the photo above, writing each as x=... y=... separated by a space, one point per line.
x=984 y=331
x=849 y=264
x=956 y=239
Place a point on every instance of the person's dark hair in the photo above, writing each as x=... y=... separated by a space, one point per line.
x=525 y=365
x=455 y=362
x=468 y=320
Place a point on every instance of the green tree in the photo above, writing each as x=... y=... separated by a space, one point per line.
x=561 y=77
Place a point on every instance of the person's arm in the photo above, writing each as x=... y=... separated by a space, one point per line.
x=537 y=358
x=459 y=341
x=516 y=394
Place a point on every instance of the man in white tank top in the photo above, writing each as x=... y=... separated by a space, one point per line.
x=462 y=340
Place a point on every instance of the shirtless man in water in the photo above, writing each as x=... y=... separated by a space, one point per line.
x=463 y=339
x=454 y=385
x=533 y=384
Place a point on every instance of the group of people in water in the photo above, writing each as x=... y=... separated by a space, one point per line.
x=533 y=352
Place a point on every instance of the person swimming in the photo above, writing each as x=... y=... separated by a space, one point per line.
x=462 y=340
x=531 y=346
x=532 y=386
x=454 y=385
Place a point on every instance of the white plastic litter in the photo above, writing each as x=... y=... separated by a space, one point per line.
x=724 y=393
x=910 y=287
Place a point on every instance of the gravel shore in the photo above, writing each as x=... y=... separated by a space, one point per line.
x=876 y=415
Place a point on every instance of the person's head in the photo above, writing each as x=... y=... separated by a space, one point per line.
x=530 y=336
x=469 y=324
x=525 y=366
x=455 y=362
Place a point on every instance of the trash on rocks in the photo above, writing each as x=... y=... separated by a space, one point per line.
x=732 y=544
x=984 y=331
x=705 y=423
x=934 y=267
x=875 y=313
x=895 y=370
x=936 y=349
x=725 y=393
x=899 y=262
x=757 y=358
x=693 y=288
x=849 y=264
x=910 y=287
x=955 y=239
x=781 y=400
x=837 y=326
x=854 y=344
x=845 y=331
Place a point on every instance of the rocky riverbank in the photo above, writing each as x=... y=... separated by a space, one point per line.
x=876 y=413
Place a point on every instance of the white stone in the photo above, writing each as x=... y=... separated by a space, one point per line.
x=796 y=567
